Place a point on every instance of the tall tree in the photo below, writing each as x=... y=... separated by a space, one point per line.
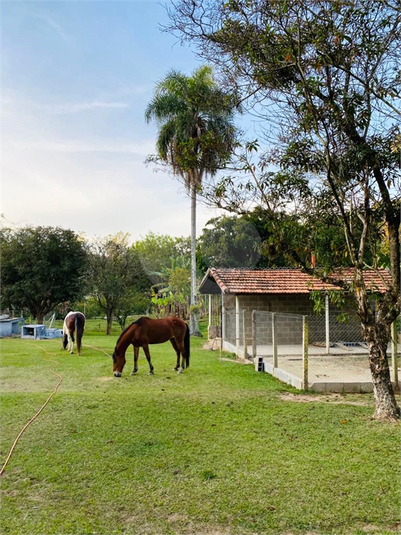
x=327 y=77
x=156 y=250
x=116 y=277
x=41 y=267
x=196 y=138
x=230 y=242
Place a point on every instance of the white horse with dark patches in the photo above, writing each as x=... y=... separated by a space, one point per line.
x=74 y=323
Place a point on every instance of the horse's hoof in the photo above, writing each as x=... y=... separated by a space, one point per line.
x=180 y=370
x=72 y=352
x=151 y=373
x=133 y=373
x=175 y=369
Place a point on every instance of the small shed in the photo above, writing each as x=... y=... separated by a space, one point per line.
x=35 y=332
x=10 y=326
x=40 y=332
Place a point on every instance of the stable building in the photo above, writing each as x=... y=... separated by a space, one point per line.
x=235 y=295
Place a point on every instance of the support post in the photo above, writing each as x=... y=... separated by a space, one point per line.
x=274 y=341
x=305 y=359
x=327 y=318
x=237 y=324
x=210 y=311
x=223 y=321
x=254 y=334
x=394 y=347
x=244 y=335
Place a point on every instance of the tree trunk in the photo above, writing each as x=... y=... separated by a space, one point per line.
x=109 y=317
x=377 y=337
x=376 y=333
x=194 y=325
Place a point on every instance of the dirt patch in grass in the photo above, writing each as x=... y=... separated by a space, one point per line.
x=211 y=345
x=192 y=529
x=335 y=399
x=104 y=379
x=181 y=523
x=371 y=529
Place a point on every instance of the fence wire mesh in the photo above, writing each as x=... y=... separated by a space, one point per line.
x=335 y=350
x=336 y=329
x=277 y=330
x=229 y=327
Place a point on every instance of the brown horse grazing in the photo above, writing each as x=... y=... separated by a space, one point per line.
x=147 y=331
x=74 y=323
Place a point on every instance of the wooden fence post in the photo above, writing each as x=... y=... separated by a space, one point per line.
x=305 y=343
x=237 y=325
x=223 y=323
x=327 y=323
x=244 y=334
x=254 y=334
x=274 y=341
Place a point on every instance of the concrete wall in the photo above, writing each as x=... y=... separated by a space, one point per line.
x=284 y=303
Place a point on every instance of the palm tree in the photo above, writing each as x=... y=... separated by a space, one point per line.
x=196 y=138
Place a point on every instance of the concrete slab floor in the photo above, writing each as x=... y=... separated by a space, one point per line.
x=349 y=373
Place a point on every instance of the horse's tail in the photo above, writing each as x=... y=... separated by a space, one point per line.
x=65 y=335
x=79 y=329
x=65 y=340
x=187 y=346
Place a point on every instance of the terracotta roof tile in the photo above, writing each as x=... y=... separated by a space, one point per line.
x=284 y=281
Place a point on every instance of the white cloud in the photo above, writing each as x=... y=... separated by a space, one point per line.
x=53 y=24
x=76 y=146
x=74 y=107
x=95 y=193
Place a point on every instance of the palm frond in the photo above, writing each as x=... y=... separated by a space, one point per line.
x=196 y=129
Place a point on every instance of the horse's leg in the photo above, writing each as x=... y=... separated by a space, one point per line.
x=174 y=344
x=146 y=349
x=136 y=354
x=65 y=337
x=79 y=331
x=71 y=343
x=181 y=350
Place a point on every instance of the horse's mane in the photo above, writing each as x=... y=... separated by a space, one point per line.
x=124 y=331
x=137 y=322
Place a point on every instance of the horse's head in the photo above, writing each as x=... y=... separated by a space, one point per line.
x=118 y=362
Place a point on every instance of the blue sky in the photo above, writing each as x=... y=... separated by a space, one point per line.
x=76 y=77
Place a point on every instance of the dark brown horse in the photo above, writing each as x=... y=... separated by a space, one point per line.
x=74 y=323
x=146 y=331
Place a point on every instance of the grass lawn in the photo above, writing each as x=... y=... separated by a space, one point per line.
x=217 y=450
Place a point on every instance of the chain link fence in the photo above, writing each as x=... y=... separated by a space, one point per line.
x=319 y=352
x=334 y=330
